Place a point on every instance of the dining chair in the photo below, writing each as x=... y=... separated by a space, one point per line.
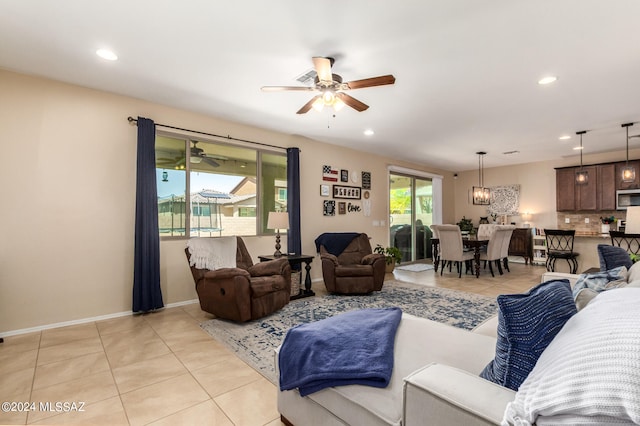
x=495 y=254
x=506 y=242
x=629 y=242
x=560 y=246
x=452 y=249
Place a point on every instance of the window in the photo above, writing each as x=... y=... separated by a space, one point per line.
x=214 y=189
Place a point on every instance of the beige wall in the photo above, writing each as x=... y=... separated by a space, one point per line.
x=68 y=200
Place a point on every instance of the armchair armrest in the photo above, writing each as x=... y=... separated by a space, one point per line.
x=330 y=258
x=370 y=259
x=450 y=396
x=272 y=267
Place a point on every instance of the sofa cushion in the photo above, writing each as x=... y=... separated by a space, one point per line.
x=527 y=323
x=634 y=272
x=612 y=257
x=600 y=281
x=589 y=373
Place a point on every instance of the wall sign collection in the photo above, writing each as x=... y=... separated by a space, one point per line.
x=358 y=196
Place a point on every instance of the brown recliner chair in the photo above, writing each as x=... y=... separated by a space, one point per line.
x=246 y=292
x=356 y=270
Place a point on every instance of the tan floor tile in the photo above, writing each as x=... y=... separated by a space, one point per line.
x=197 y=313
x=17 y=361
x=15 y=383
x=147 y=372
x=204 y=414
x=276 y=422
x=68 y=350
x=107 y=412
x=130 y=322
x=20 y=343
x=162 y=399
x=252 y=404
x=201 y=354
x=222 y=377
x=126 y=338
x=87 y=390
x=14 y=416
x=69 y=369
x=178 y=339
x=137 y=352
x=56 y=336
x=181 y=324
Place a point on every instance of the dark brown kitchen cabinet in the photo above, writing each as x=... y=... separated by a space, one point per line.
x=573 y=197
x=627 y=185
x=565 y=189
x=606 y=187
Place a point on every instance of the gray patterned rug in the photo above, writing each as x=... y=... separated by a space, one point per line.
x=255 y=341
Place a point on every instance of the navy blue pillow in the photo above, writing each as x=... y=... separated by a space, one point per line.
x=527 y=323
x=612 y=257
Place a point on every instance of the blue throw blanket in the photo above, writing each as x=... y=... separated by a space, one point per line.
x=347 y=349
x=335 y=242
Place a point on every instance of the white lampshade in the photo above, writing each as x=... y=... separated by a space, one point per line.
x=632 y=226
x=278 y=220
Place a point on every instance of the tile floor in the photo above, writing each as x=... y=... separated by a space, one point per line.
x=161 y=368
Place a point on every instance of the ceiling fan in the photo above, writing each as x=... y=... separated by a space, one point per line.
x=332 y=88
x=198 y=155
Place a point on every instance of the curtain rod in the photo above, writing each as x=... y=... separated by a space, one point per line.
x=135 y=121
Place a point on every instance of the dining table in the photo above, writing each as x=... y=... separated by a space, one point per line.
x=471 y=242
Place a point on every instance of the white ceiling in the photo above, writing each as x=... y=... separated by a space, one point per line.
x=466 y=70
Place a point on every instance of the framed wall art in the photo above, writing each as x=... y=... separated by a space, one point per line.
x=342 y=207
x=324 y=190
x=366 y=180
x=347 y=192
x=329 y=208
x=344 y=175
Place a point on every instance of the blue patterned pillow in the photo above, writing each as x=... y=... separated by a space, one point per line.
x=527 y=323
x=612 y=257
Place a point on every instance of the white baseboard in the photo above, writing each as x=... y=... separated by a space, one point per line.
x=86 y=320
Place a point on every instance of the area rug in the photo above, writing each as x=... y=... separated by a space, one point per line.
x=254 y=341
x=415 y=267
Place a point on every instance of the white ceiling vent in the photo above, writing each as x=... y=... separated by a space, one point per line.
x=308 y=78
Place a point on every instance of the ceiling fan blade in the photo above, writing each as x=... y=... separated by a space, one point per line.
x=210 y=161
x=373 y=81
x=283 y=88
x=323 y=68
x=352 y=102
x=306 y=107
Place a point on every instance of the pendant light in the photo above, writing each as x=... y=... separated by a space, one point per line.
x=582 y=176
x=628 y=172
x=481 y=195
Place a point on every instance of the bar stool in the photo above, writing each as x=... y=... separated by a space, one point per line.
x=560 y=246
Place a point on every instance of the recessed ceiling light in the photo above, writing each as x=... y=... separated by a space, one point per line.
x=577 y=148
x=564 y=137
x=107 y=54
x=548 y=80
x=369 y=132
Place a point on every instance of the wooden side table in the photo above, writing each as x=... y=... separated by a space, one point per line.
x=296 y=259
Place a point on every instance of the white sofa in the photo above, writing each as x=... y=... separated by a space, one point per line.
x=435 y=381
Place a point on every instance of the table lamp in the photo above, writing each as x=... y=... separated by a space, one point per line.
x=278 y=221
x=632 y=224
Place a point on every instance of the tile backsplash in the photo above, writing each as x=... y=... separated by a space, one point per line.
x=577 y=220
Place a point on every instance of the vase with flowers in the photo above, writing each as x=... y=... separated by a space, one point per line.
x=605 y=224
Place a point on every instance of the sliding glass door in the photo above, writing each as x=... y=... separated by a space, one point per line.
x=410 y=215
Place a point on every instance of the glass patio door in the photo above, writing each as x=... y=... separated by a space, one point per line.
x=410 y=215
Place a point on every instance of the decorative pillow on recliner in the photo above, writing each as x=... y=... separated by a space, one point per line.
x=600 y=281
x=527 y=323
x=611 y=257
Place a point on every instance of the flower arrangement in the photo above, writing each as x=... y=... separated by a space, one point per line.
x=607 y=220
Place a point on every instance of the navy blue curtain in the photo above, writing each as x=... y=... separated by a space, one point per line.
x=294 y=241
x=147 y=295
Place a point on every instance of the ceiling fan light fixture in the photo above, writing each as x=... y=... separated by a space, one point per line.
x=318 y=104
x=195 y=160
x=338 y=104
